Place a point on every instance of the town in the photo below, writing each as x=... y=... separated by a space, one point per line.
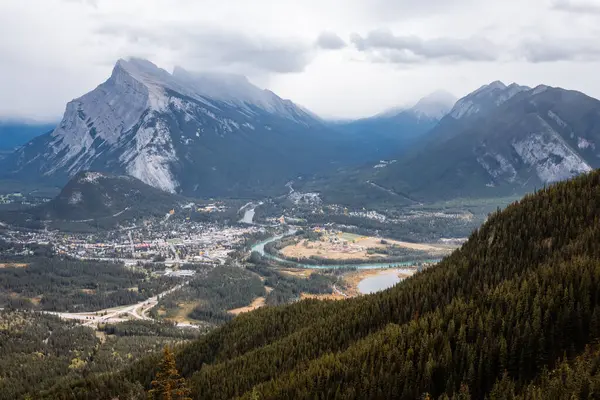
x=172 y=243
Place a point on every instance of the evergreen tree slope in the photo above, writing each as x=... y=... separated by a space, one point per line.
x=515 y=299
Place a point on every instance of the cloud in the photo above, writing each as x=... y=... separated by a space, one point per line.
x=383 y=45
x=556 y=49
x=272 y=42
x=580 y=7
x=330 y=41
x=391 y=11
x=92 y=3
x=212 y=47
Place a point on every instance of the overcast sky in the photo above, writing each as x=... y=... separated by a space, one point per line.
x=340 y=58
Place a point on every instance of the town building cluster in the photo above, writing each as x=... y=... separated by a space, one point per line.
x=171 y=243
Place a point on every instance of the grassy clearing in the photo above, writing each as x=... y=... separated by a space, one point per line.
x=14 y=265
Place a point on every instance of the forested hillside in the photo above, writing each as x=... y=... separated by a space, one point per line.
x=37 y=350
x=54 y=283
x=520 y=297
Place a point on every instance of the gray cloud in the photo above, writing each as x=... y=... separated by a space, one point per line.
x=271 y=42
x=211 y=47
x=383 y=45
x=581 y=7
x=553 y=49
x=330 y=41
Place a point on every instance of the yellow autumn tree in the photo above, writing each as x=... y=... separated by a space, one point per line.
x=169 y=385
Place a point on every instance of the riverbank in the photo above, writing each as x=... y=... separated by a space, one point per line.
x=260 y=249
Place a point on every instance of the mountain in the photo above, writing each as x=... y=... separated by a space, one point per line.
x=98 y=199
x=91 y=195
x=434 y=106
x=393 y=131
x=196 y=134
x=489 y=321
x=16 y=133
x=501 y=140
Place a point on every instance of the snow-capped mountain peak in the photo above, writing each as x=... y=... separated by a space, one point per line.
x=435 y=106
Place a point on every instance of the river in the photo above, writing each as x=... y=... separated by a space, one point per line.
x=260 y=248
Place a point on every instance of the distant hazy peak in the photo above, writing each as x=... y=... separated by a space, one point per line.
x=435 y=105
x=440 y=96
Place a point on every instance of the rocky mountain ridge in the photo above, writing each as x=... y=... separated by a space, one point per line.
x=502 y=140
x=180 y=132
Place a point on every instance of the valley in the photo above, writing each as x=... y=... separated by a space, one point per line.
x=134 y=268
x=176 y=248
x=442 y=249
x=234 y=305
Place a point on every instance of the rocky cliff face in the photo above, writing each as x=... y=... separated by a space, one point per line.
x=180 y=132
x=502 y=140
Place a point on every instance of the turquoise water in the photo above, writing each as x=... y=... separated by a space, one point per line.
x=260 y=248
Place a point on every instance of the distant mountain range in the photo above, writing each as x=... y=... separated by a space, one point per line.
x=17 y=133
x=207 y=134
x=195 y=134
x=501 y=140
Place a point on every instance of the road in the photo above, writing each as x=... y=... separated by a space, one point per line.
x=175 y=254
x=375 y=185
x=338 y=291
x=117 y=314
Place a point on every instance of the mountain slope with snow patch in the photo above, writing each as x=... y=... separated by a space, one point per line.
x=502 y=140
x=197 y=134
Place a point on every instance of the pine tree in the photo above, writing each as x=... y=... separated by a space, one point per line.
x=169 y=385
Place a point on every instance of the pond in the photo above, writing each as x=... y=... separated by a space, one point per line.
x=381 y=281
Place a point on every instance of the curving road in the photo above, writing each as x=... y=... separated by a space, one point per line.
x=116 y=314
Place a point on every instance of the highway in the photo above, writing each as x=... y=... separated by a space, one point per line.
x=116 y=314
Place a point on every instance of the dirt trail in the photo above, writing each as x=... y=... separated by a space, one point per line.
x=257 y=303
